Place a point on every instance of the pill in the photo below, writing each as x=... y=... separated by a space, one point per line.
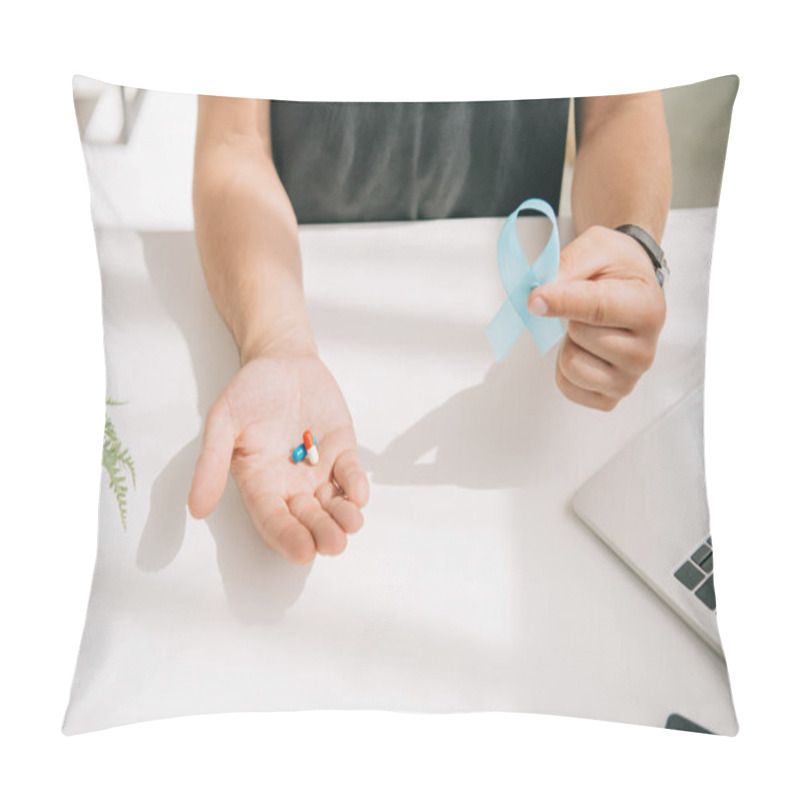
x=310 y=444
x=299 y=453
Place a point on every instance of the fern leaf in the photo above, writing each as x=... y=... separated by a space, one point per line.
x=117 y=461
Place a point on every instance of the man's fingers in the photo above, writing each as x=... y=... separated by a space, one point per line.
x=604 y=279
x=281 y=530
x=346 y=513
x=211 y=472
x=607 y=291
x=619 y=347
x=329 y=537
x=583 y=396
x=587 y=371
x=349 y=474
x=610 y=302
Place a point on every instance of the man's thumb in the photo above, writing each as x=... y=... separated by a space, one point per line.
x=211 y=472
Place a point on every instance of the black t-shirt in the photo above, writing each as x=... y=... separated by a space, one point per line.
x=348 y=162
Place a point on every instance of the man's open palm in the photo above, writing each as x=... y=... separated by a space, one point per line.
x=251 y=430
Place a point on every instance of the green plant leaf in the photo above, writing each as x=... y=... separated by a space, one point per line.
x=118 y=463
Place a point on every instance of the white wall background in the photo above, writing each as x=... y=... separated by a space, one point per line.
x=51 y=405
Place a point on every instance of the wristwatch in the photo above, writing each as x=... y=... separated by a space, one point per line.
x=651 y=248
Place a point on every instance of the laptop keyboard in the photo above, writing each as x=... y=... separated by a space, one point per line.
x=697 y=574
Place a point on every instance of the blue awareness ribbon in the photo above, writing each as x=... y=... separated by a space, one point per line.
x=519 y=280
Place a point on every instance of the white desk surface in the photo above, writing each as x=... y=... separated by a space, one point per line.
x=472 y=585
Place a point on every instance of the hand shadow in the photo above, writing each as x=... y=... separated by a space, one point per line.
x=500 y=433
x=259 y=583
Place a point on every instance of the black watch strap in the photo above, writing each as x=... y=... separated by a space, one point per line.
x=651 y=248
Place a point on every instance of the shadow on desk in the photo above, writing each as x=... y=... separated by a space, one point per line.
x=501 y=433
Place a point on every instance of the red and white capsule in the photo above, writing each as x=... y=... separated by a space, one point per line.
x=311 y=448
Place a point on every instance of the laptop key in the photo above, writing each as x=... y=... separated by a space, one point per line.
x=707 y=564
x=706 y=593
x=689 y=575
x=701 y=554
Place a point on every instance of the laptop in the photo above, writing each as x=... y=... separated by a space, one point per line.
x=648 y=504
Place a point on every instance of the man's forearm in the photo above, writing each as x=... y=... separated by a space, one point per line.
x=247 y=237
x=623 y=171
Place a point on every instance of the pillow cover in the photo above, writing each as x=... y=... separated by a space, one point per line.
x=383 y=511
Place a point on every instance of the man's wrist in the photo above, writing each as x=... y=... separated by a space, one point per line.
x=651 y=247
x=292 y=341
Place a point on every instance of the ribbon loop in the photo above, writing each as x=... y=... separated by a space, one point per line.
x=519 y=280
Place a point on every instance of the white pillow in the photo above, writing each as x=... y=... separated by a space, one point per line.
x=472 y=585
